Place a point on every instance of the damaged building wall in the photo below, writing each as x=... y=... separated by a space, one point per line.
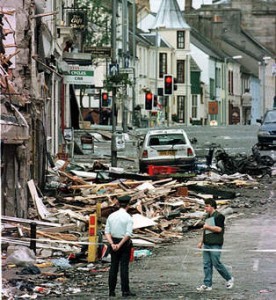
x=22 y=156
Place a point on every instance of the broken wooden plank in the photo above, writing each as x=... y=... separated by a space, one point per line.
x=41 y=208
x=110 y=184
x=73 y=178
x=28 y=221
x=54 y=236
x=62 y=228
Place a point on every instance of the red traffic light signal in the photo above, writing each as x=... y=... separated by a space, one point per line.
x=104 y=99
x=148 y=100
x=168 y=85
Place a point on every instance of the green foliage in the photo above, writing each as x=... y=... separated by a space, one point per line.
x=118 y=80
x=98 y=31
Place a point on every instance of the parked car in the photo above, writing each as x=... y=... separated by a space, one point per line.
x=267 y=130
x=166 y=147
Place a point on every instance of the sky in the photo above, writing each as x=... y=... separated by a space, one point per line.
x=196 y=4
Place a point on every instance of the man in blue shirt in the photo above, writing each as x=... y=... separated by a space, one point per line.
x=118 y=231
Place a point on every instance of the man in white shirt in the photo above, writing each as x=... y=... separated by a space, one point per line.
x=246 y=107
x=118 y=233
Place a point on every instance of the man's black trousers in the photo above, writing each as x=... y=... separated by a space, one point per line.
x=120 y=258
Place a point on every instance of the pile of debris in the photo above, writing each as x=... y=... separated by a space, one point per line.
x=163 y=210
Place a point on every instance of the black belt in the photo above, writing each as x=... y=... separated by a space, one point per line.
x=116 y=240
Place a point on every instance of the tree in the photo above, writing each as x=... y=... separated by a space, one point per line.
x=98 y=30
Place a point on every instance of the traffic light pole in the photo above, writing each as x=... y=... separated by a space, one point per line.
x=114 y=90
x=168 y=111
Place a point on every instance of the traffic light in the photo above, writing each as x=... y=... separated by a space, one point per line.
x=168 y=85
x=104 y=99
x=148 y=100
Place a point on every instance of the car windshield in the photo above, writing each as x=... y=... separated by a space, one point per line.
x=270 y=117
x=166 y=139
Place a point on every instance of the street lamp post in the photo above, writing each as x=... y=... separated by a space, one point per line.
x=264 y=63
x=134 y=60
x=113 y=115
x=124 y=48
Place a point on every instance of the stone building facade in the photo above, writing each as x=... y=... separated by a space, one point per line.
x=23 y=151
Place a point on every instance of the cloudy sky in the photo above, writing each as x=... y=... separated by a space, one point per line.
x=196 y=4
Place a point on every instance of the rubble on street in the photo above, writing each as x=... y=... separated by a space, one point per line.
x=163 y=207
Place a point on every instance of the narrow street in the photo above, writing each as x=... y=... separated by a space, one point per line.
x=82 y=83
x=174 y=270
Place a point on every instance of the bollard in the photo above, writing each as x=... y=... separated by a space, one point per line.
x=92 y=238
x=33 y=237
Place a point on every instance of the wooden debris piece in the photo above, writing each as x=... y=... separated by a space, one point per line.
x=90 y=175
x=140 y=221
x=54 y=236
x=73 y=178
x=62 y=228
x=27 y=221
x=111 y=184
x=41 y=208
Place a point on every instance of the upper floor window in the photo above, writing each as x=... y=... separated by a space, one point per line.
x=230 y=82
x=181 y=39
x=218 y=77
x=212 y=89
x=162 y=64
x=180 y=71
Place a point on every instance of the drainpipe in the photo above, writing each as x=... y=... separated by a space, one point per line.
x=134 y=60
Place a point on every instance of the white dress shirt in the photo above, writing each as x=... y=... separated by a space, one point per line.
x=119 y=224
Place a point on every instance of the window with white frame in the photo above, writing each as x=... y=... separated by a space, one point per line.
x=180 y=71
x=181 y=39
x=181 y=109
x=162 y=64
x=194 y=106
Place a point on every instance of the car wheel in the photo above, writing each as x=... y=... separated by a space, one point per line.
x=267 y=160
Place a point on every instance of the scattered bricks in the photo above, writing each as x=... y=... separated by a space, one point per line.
x=182 y=191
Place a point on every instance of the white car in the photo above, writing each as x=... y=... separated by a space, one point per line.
x=167 y=147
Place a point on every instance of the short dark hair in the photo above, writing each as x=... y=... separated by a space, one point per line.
x=124 y=200
x=123 y=204
x=211 y=202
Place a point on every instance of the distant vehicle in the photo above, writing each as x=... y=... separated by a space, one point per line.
x=166 y=147
x=267 y=130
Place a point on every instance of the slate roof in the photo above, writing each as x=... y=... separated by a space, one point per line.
x=205 y=45
x=170 y=16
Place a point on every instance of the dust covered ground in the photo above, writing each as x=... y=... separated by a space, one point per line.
x=174 y=269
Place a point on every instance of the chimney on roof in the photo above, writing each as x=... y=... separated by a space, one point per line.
x=188 y=5
x=143 y=3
